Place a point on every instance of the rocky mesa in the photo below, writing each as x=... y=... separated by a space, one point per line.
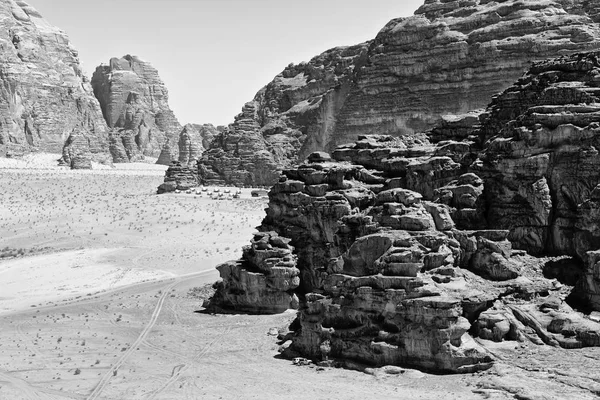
x=449 y=58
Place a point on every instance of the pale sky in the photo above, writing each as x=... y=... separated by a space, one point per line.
x=214 y=55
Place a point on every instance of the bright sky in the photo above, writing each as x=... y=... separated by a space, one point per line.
x=214 y=55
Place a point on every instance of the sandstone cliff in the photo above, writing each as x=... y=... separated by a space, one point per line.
x=541 y=162
x=189 y=145
x=449 y=58
x=405 y=247
x=288 y=119
x=44 y=98
x=134 y=102
x=384 y=276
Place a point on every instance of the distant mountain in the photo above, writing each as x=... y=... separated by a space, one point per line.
x=44 y=97
x=134 y=103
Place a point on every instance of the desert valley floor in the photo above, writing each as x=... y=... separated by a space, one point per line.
x=101 y=289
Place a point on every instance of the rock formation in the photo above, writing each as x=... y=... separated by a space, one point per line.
x=178 y=177
x=449 y=58
x=45 y=100
x=541 y=161
x=407 y=248
x=189 y=146
x=134 y=102
x=385 y=275
x=264 y=279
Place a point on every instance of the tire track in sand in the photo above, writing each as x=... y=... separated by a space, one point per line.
x=110 y=373
x=180 y=369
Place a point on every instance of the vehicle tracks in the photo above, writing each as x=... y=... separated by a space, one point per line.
x=110 y=373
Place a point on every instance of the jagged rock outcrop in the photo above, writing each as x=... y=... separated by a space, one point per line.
x=385 y=275
x=542 y=159
x=449 y=58
x=264 y=279
x=45 y=100
x=396 y=258
x=240 y=155
x=76 y=152
x=178 y=177
x=134 y=102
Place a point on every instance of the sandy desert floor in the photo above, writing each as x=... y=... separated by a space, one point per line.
x=99 y=299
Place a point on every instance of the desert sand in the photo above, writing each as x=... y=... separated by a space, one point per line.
x=101 y=290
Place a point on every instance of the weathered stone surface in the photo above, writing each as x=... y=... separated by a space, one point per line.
x=542 y=161
x=548 y=319
x=451 y=57
x=373 y=268
x=239 y=155
x=587 y=226
x=446 y=60
x=385 y=275
x=76 y=152
x=492 y=260
x=134 y=102
x=193 y=140
x=264 y=280
x=589 y=285
x=44 y=97
x=178 y=177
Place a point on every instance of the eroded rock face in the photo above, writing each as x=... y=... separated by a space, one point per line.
x=263 y=280
x=189 y=146
x=452 y=56
x=288 y=119
x=388 y=277
x=178 y=177
x=193 y=140
x=45 y=100
x=239 y=155
x=449 y=58
x=542 y=159
x=134 y=102
x=589 y=285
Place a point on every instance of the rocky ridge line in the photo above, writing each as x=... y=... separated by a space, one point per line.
x=449 y=58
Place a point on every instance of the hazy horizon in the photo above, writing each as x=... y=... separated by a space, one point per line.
x=214 y=55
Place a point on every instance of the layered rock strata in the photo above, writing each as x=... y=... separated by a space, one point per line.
x=193 y=140
x=385 y=275
x=449 y=58
x=45 y=100
x=264 y=279
x=134 y=102
x=541 y=160
x=178 y=177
